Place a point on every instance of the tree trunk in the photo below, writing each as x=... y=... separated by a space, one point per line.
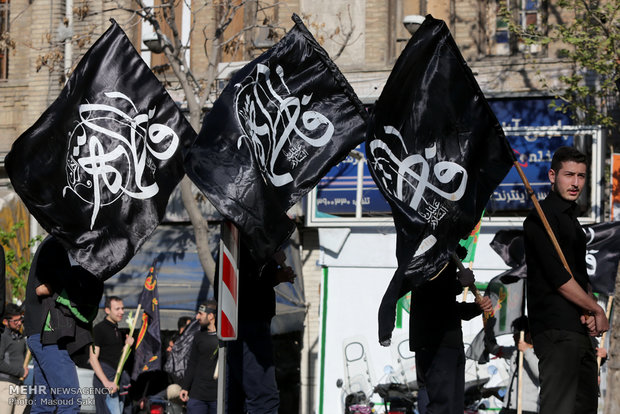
x=201 y=230
x=612 y=398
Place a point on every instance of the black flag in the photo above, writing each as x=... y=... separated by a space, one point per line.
x=97 y=168
x=281 y=123
x=148 y=344
x=436 y=152
x=602 y=254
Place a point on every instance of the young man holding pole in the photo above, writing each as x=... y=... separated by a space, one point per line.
x=105 y=356
x=561 y=309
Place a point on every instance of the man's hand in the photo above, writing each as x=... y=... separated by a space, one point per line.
x=26 y=373
x=485 y=303
x=279 y=257
x=129 y=340
x=184 y=395
x=590 y=323
x=465 y=277
x=602 y=324
x=523 y=346
x=285 y=274
x=601 y=353
x=111 y=386
x=43 y=290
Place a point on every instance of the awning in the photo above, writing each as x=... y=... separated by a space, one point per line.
x=183 y=285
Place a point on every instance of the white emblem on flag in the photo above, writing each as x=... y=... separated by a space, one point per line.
x=111 y=153
x=409 y=178
x=273 y=124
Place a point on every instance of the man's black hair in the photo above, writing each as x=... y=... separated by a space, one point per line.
x=564 y=154
x=521 y=324
x=11 y=310
x=183 y=321
x=109 y=299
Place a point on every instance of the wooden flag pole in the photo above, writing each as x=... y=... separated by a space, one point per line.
x=610 y=300
x=126 y=348
x=542 y=216
x=520 y=378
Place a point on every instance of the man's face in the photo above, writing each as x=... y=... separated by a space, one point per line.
x=14 y=323
x=568 y=182
x=116 y=311
x=205 y=318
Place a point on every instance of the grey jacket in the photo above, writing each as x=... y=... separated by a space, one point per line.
x=12 y=355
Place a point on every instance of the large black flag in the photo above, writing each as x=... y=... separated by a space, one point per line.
x=97 y=168
x=281 y=123
x=148 y=344
x=436 y=152
x=602 y=254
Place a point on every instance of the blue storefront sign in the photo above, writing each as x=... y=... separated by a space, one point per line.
x=534 y=152
x=336 y=193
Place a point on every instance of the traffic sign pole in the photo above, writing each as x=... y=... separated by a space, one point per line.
x=228 y=303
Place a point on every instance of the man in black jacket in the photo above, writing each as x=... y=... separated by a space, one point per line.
x=61 y=302
x=199 y=387
x=12 y=355
x=436 y=337
x=561 y=308
x=252 y=384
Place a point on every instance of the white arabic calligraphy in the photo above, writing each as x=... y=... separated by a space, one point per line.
x=252 y=102
x=444 y=171
x=110 y=151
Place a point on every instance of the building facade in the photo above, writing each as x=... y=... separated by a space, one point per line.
x=41 y=40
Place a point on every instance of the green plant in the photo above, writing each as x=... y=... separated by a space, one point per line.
x=17 y=258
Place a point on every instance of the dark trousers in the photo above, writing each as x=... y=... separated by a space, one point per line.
x=441 y=375
x=195 y=406
x=252 y=375
x=55 y=378
x=568 y=372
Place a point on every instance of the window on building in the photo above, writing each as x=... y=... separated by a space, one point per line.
x=182 y=15
x=4 y=28
x=527 y=14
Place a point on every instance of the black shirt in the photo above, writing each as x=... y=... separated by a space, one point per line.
x=110 y=340
x=49 y=264
x=545 y=273
x=198 y=378
x=257 y=299
x=435 y=316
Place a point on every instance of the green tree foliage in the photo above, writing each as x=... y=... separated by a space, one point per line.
x=588 y=33
x=17 y=259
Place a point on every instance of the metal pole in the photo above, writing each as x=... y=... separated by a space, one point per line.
x=221 y=378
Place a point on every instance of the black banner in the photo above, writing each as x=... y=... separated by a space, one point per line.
x=436 y=152
x=281 y=123
x=602 y=254
x=148 y=344
x=97 y=168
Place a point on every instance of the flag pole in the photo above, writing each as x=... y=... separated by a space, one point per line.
x=126 y=348
x=520 y=378
x=542 y=216
x=610 y=300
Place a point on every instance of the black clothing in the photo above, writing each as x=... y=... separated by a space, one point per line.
x=110 y=340
x=250 y=360
x=568 y=372
x=566 y=358
x=257 y=299
x=47 y=266
x=548 y=309
x=435 y=315
x=441 y=378
x=198 y=378
x=12 y=354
